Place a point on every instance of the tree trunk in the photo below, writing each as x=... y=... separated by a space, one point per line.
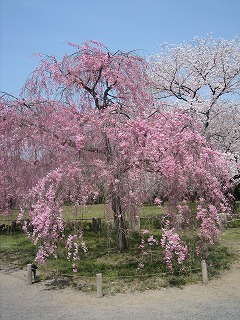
x=119 y=224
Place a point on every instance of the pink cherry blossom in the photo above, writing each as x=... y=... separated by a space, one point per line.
x=90 y=124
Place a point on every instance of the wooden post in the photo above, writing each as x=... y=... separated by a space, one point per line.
x=223 y=218
x=179 y=222
x=29 y=273
x=136 y=224
x=99 y=285
x=96 y=224
x=204 y=272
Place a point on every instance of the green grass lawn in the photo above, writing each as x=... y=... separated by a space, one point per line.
x=99 y=211
x=90 y=211
x=120 y=271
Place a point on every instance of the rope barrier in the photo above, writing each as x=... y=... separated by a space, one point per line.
x=112 y=277
x=134 y=276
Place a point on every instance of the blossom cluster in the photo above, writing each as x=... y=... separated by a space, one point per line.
x=210 y=223
x=147 y=242
x=72 y=247
x=173 y=247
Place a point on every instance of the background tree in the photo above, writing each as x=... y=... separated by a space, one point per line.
x=203 y=78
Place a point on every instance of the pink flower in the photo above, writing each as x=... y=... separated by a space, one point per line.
x=173 y=245
x=158 y=201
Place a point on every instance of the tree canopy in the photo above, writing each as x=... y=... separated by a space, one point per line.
x=90 y=123
x=203 y=78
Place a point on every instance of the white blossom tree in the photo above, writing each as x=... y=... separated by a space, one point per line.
x=203 y=78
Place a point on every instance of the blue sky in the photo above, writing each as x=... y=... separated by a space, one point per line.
x=45 y=26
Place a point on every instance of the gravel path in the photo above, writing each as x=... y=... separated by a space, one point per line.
x=219 y=300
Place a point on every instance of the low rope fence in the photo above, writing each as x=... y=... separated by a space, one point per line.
x=99 y=279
